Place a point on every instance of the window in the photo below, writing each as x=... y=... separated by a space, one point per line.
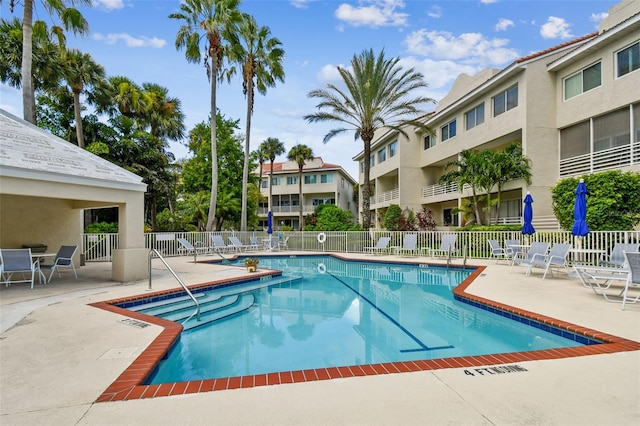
x=628 y=59
x=264 y=183
x=582 y=81
x=277 y=181
x=361 y=166
x=448 y=131
x=310 y=179
x=328 y=178
x=393 y=147
x=429 y=142
x=382 y=155
x=449 y=218
x=611 y=130
x=475 y=117
x=372 y=161
x=292 y=180
x=505 y=100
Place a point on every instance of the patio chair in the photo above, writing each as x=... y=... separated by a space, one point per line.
x=17 y=261
x=237 y=244
x=512 y=248
x=601 y=278
x=63 y=259
x=409 y=245
x=558 y=257
x=633 y=263
x=282 y=243
x=537 y=248
x=219 y=245
x=186 y=248
x=381 y=246
x=616 y=258
x=497 y=251
x=255 y=244
x=447 y=246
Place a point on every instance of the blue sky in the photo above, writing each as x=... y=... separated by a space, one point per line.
x=441 y=39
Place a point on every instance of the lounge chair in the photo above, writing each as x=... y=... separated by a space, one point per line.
x=535 y=249
x=447 y=246
x=237 y=244
x=616 y=258
x=282 y=243
x=601 y=278
x=409 y=245
x=556 y=258
x=512 y=248
x=381 y=246
x=633 y=263
x=255 y=244
x=219 y=245
x=497 y=251
x=186 y=248
x=17 y=261
x=63 y=259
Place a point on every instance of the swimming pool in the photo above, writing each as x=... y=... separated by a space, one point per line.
x=325 y=312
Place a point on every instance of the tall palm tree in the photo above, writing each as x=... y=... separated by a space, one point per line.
x=469 y=170
x=377 y=96
x=260 y=56
x=214 y=21
x=71 y=19
x=81 y=71
x=163 y=114
x=512 y=165
x=300 y=154
x=272 y=147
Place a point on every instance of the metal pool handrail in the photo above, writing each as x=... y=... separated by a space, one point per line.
x=151 y=252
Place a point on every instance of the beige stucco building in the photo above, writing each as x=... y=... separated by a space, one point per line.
x=47 y=182
x=574 y=108
x=322 y=183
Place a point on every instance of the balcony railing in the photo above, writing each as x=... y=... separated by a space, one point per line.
x=438 y=189
x=386 y=196
x=607 y=159
x=307 y=208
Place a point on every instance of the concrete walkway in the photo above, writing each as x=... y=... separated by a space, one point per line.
x=58 y=355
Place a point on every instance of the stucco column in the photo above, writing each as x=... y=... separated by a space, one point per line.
x=130 y=260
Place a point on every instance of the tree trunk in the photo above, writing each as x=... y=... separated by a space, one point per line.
x=214 y=149
x=366 y=193
x=245 y=170
x=78 y=118
x=301 y=225
x=28 y=98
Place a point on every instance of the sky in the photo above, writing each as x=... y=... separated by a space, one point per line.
x=440 y=39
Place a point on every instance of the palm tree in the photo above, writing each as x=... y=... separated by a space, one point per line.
x=196 y=207
x=217 y=20
x=272 y=147
x=81 y=71
x=72 y=20
x=470 y=171
x=163 y=114
x=260 y=56
x=377 y=96
x=513 y=165
x=300 y=154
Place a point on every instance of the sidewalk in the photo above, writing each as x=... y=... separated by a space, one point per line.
x=58 y=355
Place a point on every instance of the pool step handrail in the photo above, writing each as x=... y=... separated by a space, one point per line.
x=154 y=251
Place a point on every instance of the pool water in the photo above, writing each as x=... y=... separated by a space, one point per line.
x=325 y=312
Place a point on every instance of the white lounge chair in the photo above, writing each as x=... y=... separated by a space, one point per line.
x=186 y=248
x=616 y=258
x=237 y=244
x=556 y=258
x=447 y=246
x=409 y=245
x=381 y=246
x=633 y=263
x=255 y=244
x=63 y=259
x=219 y=245
x=537 y=248
x=17 y=261
x=497 y=251
x=282 y=243
x=601 y=278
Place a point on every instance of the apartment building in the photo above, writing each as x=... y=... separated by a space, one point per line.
x=322 y=183
x=574 y=108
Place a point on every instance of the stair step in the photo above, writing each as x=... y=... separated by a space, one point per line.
x=184 y=313
x=165 y=302
x=185 y=303
x=243 y=302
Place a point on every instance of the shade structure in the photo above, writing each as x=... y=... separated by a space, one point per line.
x=580 y=228
x=270 y=223
x=527 y=227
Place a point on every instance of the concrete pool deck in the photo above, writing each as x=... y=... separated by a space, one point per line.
x=58 y=355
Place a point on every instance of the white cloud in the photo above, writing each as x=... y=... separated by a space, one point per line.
x=503 y=24
x=130 y=41
x=556 y=28
x=109 y=4
x=329 y=73
x=468 y=48
x=438 y=74
x=435 y=12
x=597 y=17
x=300 y=4
x=373 y=13
x=488 y=1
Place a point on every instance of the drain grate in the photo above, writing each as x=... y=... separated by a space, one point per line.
x=134 y=323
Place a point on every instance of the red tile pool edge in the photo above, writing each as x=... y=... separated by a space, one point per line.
x=129 y=385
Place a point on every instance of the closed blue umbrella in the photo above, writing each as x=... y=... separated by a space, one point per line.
x=580 y=228
x=270 y=223
x=527 y=227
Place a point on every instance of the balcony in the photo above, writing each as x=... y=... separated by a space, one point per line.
x=307 y=208
x=385 y=197
x=606 y=159
x=438 y=189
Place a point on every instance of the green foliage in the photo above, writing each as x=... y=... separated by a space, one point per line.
x=329 y=217
x=425 y=220
x=613 y=202
x=492 y=228
x=393 y=217
x=102 y=228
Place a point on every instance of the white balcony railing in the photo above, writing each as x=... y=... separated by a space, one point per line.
x=607 y=159
x=386 y=196
x=438 y=189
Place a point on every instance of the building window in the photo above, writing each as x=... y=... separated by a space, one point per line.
x=505 y=100
x=449 y=218
x=611 y=130
x=475 y=117
x=393 y=147
x=448 y=131
x=361 y=166
x=382 y=155
x=292 y=180
x=628 y=59
x=277 y=181
x=328 y=178
x=429 y=142
x=264 y=183
x=372 y=161
x=583 y=81
x=310 y=179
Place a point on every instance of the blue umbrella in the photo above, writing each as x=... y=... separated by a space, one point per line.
x=580 y=228
x=270 y=223
x=527 y=227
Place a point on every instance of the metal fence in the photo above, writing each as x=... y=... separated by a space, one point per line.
x=99 y=247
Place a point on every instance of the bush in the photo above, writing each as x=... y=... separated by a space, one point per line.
x=102 y=228
x=329 y=217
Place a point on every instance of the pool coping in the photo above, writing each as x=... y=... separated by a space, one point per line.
x=129 y=385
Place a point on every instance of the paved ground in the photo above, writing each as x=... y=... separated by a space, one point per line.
x=58 y=355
